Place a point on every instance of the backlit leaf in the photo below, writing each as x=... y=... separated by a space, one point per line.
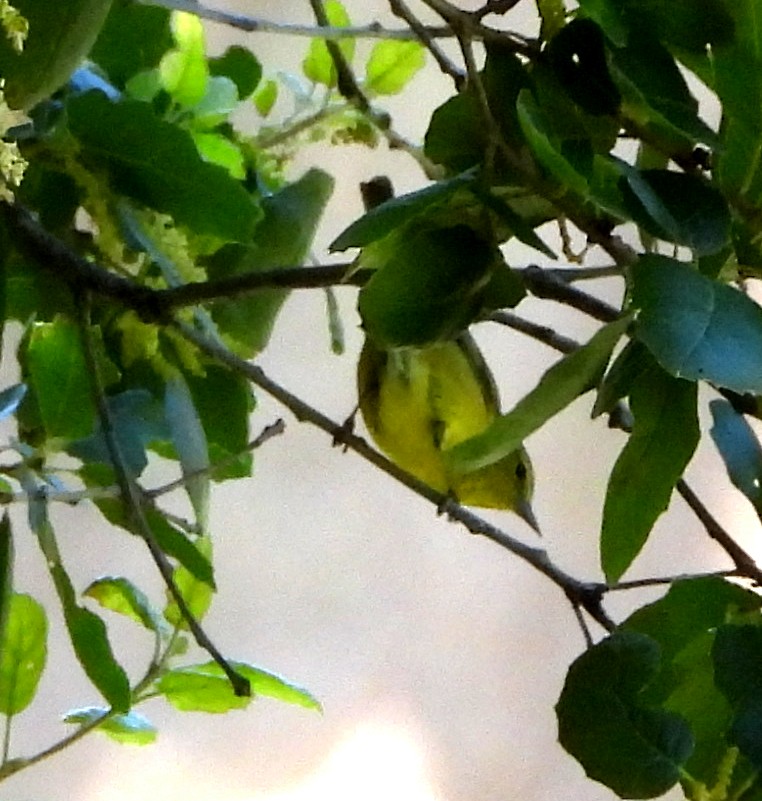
x=131 y=728
x=23 y=652
x=391 y=66
x=120 y=595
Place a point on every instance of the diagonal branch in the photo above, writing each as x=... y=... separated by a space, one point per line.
x=587 y=595
x=130 y=494
x=401 y=9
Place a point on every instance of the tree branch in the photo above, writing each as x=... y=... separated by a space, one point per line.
x=401 y=9
x=588 y=595
x=257 y=25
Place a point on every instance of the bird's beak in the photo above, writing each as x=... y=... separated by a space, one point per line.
x=524 y=510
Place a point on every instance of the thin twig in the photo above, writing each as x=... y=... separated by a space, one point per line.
x=582 y=622
x=541 y=333
x=468 y=24
x=267 y=433
x=657 y=581
x=353 y=93
x=257 y=25
x=745 y=565
x=296 y=125
x=495 y=7
x=238 y=286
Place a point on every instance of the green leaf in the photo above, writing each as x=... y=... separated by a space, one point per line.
x=318 y=65
x=133 y=39
x=87 y=631
x=678 y=208
x=60 y=35
x=391 y=66
x=32 y=291
x=241 y=66
x=683 y=622
x=282 y=239
x=156 y=163
x=120 y=595
x=197 y=592
x=664 y=437
x=428 y=286
x=183 y=71
x=676 y=23
x=130 y=729
x=200 y=688
x=59 y=378
x=538 y=133
x=737 y=655
x=224 y=401
x=265 y=98
x=217 y=149
x=137 y=419
x=23 y=651
x=623 y=373
x=656 y=96
x=456 y=136
x=635 y=749
x=690 y=609
x=740 y=450
x=563 y=383
x=384 y=218
x=90 y=640
x=577 y=55
x=735 y=74
x=217 y=104
x=698 y=328
x=553 y=16
x=270 y=685
x=205 y=688
x=190 y=443
x=191 y=555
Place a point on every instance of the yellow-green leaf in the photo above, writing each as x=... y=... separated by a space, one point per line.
x=391 y=66
x=318 y=65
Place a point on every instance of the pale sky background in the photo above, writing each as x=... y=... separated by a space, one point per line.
x=438 y=657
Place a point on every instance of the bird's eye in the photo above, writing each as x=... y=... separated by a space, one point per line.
x=521 y=471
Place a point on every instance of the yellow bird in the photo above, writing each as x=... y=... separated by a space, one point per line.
x=417 y=403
